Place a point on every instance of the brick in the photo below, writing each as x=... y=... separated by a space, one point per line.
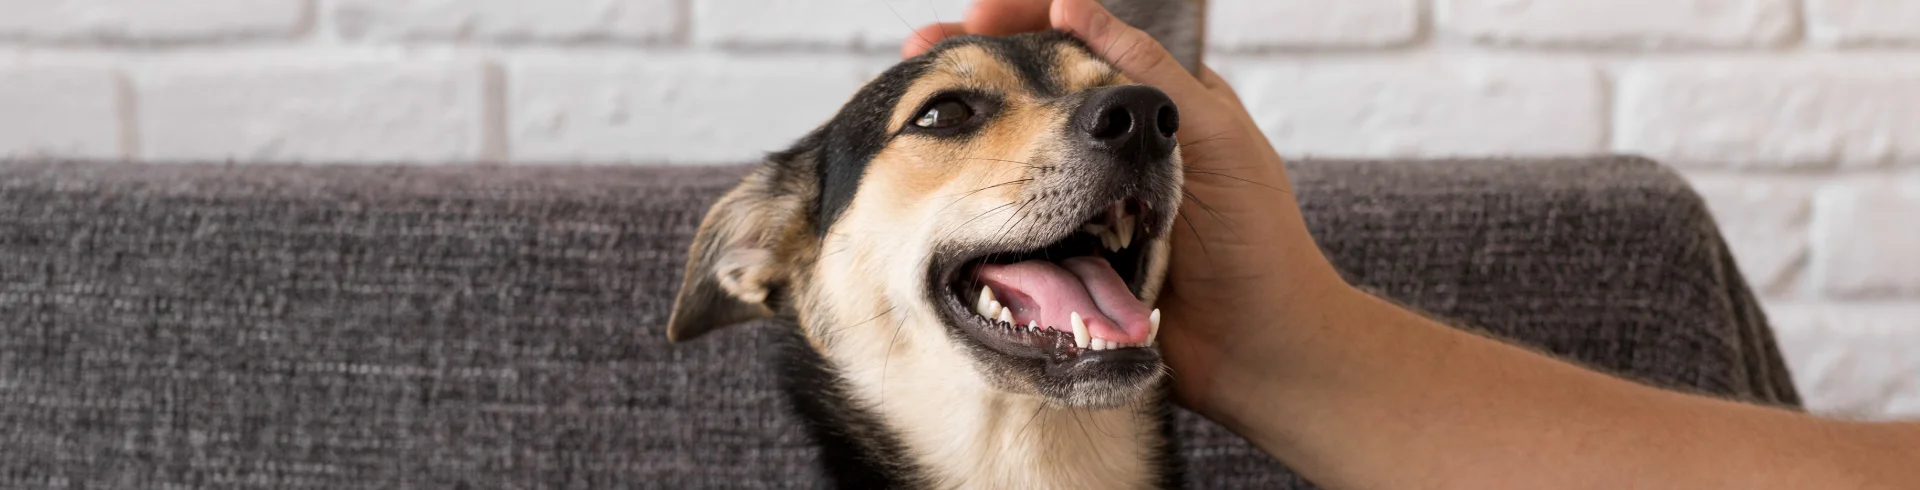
x=1855 y=22
x=1809 y=113
x=675 y=109
x=1252 y=25
x=1433 y=107
x=1765 y=222
x=1620 y=23
x=878 y=25
x=312 y=110
x=1866 y=239
x=59 y=112
x=150 y=20
x=1853 y=360
x=509 y=20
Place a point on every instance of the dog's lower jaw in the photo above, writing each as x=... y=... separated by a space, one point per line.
x=964 y=433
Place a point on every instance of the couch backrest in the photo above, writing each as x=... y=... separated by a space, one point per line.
x=393 y=327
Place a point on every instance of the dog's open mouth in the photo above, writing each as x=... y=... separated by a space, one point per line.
x=1076 y=295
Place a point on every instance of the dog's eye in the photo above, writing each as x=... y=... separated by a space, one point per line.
x=944 y=114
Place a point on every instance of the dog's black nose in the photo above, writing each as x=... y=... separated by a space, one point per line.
x=1130 y=121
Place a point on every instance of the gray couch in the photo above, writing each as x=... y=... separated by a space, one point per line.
x=235 y=326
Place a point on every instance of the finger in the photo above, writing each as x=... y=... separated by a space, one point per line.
x=1007 y=17
x=1132 y=50
x=928 y=35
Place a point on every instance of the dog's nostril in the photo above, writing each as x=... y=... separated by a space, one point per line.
x=1116 y=122
x=1168 y=120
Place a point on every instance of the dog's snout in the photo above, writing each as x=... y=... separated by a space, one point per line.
x=1132 y=120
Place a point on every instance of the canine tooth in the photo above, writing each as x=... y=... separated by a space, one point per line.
x=993 y=310
x=1006 y=315
x=1081 y=338
x=1126 y=230
x=986 y=297
x=1153 y=330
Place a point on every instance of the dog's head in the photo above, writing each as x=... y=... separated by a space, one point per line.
x=1002 y=203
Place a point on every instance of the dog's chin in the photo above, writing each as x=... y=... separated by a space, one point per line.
x=1046 y=361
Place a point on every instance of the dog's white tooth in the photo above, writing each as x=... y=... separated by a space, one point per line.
x=993 y=310
x=1033 y=326
x=1153 y=330
x=1081 y=338
x=986 y=296
x=1102 y=344
x=1126 y=230
x=1006 y=315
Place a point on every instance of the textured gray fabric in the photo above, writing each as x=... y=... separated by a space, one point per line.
x=221 y=326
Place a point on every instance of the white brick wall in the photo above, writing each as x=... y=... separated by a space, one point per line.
x=152 y=21
x=275 y=110
x=1798 y=119
x=65 y=112
x=506 y=20
x=1619 y=23
x=1864 y=22
x=1255 y=25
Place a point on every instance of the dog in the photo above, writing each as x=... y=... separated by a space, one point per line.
x=967 y=254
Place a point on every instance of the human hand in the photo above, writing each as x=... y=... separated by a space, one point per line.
x=1243 y=265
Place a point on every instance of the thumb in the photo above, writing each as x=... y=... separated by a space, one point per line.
x=1131 y=50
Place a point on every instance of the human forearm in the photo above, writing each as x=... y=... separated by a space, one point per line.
x=1358 y=393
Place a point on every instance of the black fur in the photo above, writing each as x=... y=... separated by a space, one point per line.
x=850 y=141
x=854 y=445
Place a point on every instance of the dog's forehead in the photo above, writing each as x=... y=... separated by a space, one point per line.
x=1047 y=64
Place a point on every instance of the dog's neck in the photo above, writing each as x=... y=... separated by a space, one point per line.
x=968 y=434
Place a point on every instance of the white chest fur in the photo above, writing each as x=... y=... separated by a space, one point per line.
x=969 y=435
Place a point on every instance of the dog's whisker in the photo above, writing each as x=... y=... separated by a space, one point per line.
x=1217 y=174
x=964 y=197
x=1209 y=209
x=888 y=360
x=963 y=225
x=903 y=21
x=1030 y=165
x=1197 y=238
x=936 y=19
x=869 y=320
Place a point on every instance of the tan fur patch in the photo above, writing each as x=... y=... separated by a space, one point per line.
x=1081 y=71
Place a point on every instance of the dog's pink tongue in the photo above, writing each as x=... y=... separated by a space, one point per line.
x=1048 y=293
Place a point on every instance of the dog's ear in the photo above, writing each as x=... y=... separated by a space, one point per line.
x=743 y=258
